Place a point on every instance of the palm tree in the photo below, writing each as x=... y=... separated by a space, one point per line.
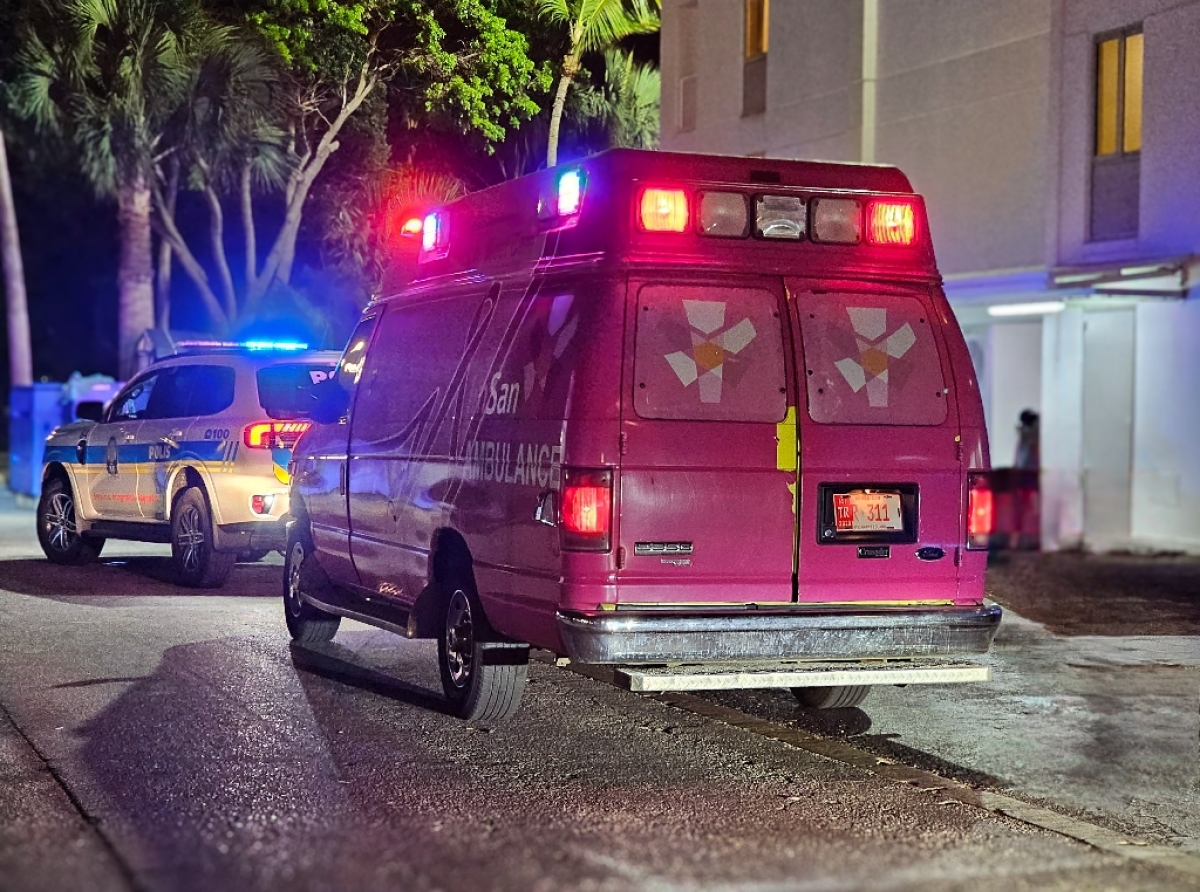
x=594 y=25
x=106 y=74
x=627 y=104
x=20 y=357
x=226 y=137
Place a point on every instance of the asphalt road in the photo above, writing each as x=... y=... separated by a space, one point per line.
x=157 y=739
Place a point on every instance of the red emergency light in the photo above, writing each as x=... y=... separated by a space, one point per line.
x=663 y=210
x=980 y=509
x=274 y=434
x=586 y=520
x=891 y=222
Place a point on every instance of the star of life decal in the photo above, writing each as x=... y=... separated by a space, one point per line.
x=876 y=348
x=712 y=342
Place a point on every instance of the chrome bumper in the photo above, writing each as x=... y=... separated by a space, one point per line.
x=773 y=635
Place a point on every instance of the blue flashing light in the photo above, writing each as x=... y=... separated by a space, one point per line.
x=431 y=232
x=274 y=345
x=570 y=192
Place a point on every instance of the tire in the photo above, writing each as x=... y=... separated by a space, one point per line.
x=483 y=680
x=306 y=624
x=197 y=562
x=839 y=697
x=57 y=533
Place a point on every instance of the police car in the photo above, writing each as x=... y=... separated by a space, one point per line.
x=193 y=451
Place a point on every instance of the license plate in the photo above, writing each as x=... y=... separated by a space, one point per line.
x=859 y=512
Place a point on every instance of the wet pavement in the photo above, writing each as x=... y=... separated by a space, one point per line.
x=153 y=738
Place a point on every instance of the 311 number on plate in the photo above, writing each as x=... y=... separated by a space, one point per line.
x=865 y=512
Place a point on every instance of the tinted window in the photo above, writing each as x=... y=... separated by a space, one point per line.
x=712 y=354
x=131 y=402
x=190 y=390
x=286 y=390
x=871 y=359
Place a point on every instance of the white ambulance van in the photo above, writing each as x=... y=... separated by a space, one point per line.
x=707 y=419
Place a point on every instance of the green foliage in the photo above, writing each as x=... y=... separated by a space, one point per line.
x=627 y=105
x=596 y=25
x=448 y=57
x=107 y=79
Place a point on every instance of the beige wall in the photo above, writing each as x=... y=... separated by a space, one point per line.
x=1169 y=223
x=962 y=105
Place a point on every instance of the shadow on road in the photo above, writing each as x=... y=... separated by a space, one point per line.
x=338 y=664
x=128 y=577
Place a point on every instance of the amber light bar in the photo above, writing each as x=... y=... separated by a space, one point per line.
x=891 y=223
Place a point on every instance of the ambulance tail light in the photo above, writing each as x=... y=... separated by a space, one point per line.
x=274 y=434
x=980 y=511
x=663 y=210
x=892 y=223
x=585 y=522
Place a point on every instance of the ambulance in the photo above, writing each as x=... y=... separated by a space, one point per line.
x=708 y=420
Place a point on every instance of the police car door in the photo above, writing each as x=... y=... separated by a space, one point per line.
x=115 y=456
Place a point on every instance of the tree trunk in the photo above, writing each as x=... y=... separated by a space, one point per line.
x=162 y=282
x=570 y=68
x=135 y=275
x=20 y=354
x=277 y=267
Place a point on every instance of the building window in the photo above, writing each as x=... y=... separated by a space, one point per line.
x=754 y=69
x=1115 y=165
x=687 y=103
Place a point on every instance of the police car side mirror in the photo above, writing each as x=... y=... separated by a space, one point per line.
x=332 y=402
x=89 y=410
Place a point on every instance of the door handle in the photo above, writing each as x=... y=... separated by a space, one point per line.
x=547 y=509
x=342 y=482
x=129 y=438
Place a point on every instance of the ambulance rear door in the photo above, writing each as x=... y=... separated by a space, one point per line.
x=881 y=479
x=706 y=502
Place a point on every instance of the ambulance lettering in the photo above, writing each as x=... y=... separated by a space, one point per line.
x=502 y=399
x=516 y=464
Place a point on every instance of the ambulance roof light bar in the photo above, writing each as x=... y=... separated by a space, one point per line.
x=663 y=210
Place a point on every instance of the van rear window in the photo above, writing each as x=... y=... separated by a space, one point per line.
x=709 y=354
x=285 y=391
x=870 y=359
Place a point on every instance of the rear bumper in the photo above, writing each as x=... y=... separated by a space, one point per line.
x=261 y=535
x=779 y=635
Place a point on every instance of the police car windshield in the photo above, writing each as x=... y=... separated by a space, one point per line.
x=285 y=391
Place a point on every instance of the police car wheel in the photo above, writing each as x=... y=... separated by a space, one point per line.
x=306 y=623
x=58 y=533
x=837 y=697
x=198 y=564
x=483 y=680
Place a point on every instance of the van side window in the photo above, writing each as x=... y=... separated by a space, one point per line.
x=709 y=354
x=870 y=359
x=350 y=367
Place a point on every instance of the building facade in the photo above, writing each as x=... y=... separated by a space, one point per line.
x=1057 y=143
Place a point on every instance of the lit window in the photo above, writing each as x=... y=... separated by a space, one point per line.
x=1116 y=177
x=754 y=68
x=757 y=20
x=1119 y=95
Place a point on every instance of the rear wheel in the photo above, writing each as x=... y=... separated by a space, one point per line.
x=306 y=623
x=58 y=533
x=483 y=680
x=838 y=697
x=198 y=564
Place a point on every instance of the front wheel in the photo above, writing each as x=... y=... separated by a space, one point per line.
x=58 y=533
x=306 y=623
x=483 y=680
x=836 y=697
x=198 y=564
